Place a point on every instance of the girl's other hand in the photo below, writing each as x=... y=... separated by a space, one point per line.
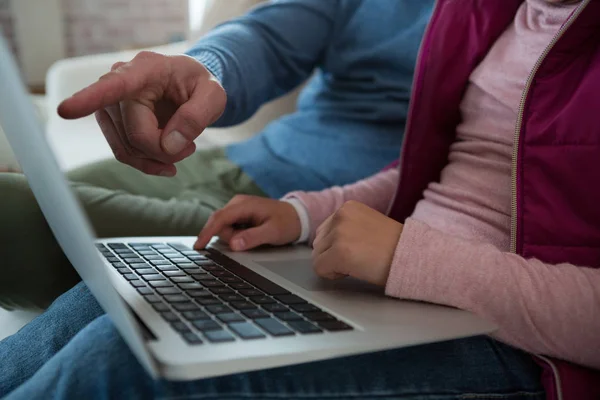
x=264 y=221
x=356 y=241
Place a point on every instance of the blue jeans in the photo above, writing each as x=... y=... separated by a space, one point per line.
x=74 y=352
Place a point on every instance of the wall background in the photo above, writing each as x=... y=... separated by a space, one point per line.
x=7 y=23
x=65 y=28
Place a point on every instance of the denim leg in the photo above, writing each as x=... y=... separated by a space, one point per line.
x=97 y=364
x=25 y=352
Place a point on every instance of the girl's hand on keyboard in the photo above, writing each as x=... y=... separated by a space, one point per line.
x=356 y=241
x=248 y=221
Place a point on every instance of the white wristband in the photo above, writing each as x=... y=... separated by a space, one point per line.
x=304 y=219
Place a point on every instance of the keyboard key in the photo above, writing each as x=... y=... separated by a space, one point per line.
x=246 y=330
x=222 y=274
x=187 y=265
x=218 y=309
x=136 y=262
x=197 y=258
x=174 y=273
x=147 y=253
x=180 y=247
x=319 y=316
x=192 y=271
x=305 y=308
x=154 y=277
x=164 y=268
x=206 y=325
x=243 y=305
x=203 y=276
x=274 y=327
x=190 y=253
x=230 y=317
x=130 y=277
x=335 y=326
x=251 y=292
x=191 y=338
x=245 y=273
x=168 y=290
x=152 y=298
x=208 y=265
x=161 y=284
x=199 y=293
x=145 y=290
x=219 y=336
x=153 y=257
x=231 y=279
x=186 y=307
x=231 y=297
x=263 y=300
x=176 y=298
x=195 y=315
x=118 y=265
x=137 y=283
x=240 y=286
x=160 y=262
x=290 y=299
x=115 y=246
x=181 y=279
x=304 y=327
x=139 y=266
x=207 y=301
x=180 y=327
x=169 y=316
x=123 y=270
x=212 y=283
x=179 y=260
x=146 y=271
x=288 y=316
x=224 y=291
x=190 y=286
x=256 y=313
x=112 y=259
x=160 y=307
x=132 y=259
x=275 y=307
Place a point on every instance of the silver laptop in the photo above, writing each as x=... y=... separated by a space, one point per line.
x=189 y=315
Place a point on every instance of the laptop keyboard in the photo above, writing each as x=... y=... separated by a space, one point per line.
x=207 y=296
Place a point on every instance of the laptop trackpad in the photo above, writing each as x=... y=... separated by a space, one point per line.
x=302 y=274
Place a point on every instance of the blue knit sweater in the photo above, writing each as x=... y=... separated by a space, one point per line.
x=350 y=118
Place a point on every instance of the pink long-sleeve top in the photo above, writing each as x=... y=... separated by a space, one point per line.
x=454 y=250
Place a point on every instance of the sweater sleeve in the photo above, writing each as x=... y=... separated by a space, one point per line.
x=267 y=52
x=541 y=308
x=376 y=192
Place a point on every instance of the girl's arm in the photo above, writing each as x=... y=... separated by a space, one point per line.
x=376 y=192
x=541 y=308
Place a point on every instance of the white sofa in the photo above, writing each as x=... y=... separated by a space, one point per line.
x=80 y=142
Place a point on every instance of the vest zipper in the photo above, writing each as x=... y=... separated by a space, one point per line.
x=411 y=104
x=513 y=220
x=559 y=395
x=521 y=110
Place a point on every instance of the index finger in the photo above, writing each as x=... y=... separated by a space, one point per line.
x=220 y=220
x=109 y=89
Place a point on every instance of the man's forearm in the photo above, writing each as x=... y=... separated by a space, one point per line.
x=267 y=52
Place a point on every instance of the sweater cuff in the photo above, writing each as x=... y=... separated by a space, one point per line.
x=304 y=219
x=211 y=62
x=406 y=280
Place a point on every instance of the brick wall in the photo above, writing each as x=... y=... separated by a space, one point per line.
x=7 y=23
x=94 y=26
